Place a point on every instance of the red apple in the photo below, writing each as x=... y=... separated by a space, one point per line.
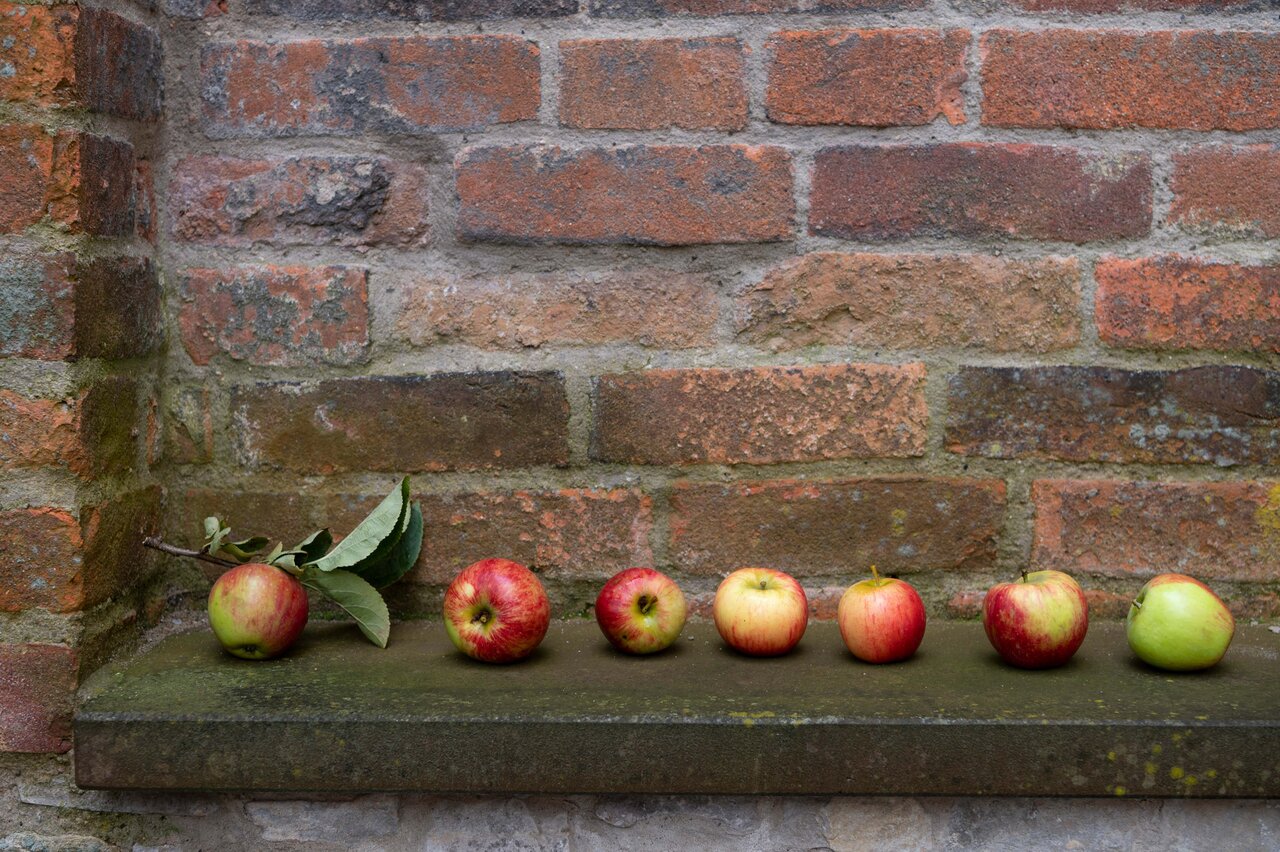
x=760 y=612
x=1038 y=621
x=496 y=611
x=881 y=619
x=640 y=610
x=257 y=611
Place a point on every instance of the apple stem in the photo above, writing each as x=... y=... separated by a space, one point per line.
x=156 y=544
x=875 y=575
x=1138 y=605
x=1024 y=574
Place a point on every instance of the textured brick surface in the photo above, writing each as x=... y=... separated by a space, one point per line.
x=449 y=421
x=1101 y=6
x=645 y=195
x=36 y=685
x=709 y=8
x=299 y=201
x=760 y=415
x=1228 y=190
x=40 y=433
x=41 y=560
x=276 y=315
x=879 y=78
x=914 y=301
x=78 y=181
x=1176 y=302
x=118 y=66
x=1222 y=415
x=37 y=305
x=117 y=308
x=412 y=10
x=814 y=527
x=385 y=85
x=647 y=84
x=647 y=307
x=1210 y=530
x=37 y=51
x=980 y=190
x=1104 y=79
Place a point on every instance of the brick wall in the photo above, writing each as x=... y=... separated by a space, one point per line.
x=950 y=286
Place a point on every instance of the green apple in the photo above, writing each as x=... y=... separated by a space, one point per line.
x=1178 y=623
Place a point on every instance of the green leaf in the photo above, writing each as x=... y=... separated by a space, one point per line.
x=316 y=545
x=211 y=527
x=276 y=553
x=361 y=600
x=403 y=555
x=243 y=551
x=373 y=539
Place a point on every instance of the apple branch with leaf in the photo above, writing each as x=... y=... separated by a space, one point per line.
x=378 y=552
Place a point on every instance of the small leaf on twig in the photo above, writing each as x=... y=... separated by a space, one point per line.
x=360 y=600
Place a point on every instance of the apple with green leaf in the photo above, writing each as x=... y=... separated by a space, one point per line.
x=1038 y=621
x=1177 y=623
x=257 y=611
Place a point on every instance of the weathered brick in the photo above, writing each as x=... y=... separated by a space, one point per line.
x=647 y=307
x=1099 y=6
x=109 y=415
x=412 y=10
x=817 y=527
x=113 y=532
x=978 y=190
x=27 y=162
x=349 y=201
x=576 y=534
x=41 y=560
x=37 y=54
x=760 y=415
x=914 y=301
x=1194 y=80
x=37 y=686
x=92 y=434
x=1228 y=190
x=646 y=195
x=710 y=8
x=117 y=308
x=385 y=85
x=194 y=10
x=81 y=182
x=879 y=78
x=118 y=66
x=446 y=421
x=107 y=187
x=1184 y=303
x=1211 y=530
x=1223 y=415
x=188 y=426
x=648 y=84
x=37 y=305
x=78 y=56
x=276 y=315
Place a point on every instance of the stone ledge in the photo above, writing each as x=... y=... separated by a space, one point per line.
x=338 y=714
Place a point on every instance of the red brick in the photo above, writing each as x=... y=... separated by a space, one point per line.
x=41 y=560
x=838 y=527
x=349 y=201
x=118 y=66
x=879 y=78
x=1210 y=530
x=711 y=8
x=1184 y=303
x=650 y=84
x=912 y=301
x=113 y=532
x=81 y=182
x=760 y=415
x=572 y=534
x=92 y=434
x=966 y=604
x=446 y=421
x=27 y=162
x=980 y=190
x=399 y=10
x=37 y=686
x=37 y=53
x=280 y=316
x=1099 y=6
x=647 y=307
x=1223 y=415
x=1194 y=80
x=37 y=305
x=645 y=195
x=373 y=85
x=1228 y=190
x=107 y=187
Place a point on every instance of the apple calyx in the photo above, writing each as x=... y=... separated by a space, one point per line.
x=646 y=603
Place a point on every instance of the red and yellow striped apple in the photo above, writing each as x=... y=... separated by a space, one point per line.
x=760 y=612
x=881 y=619
x=257 y=611
x=496 y=611
x=1038 y=621
x=641 y=611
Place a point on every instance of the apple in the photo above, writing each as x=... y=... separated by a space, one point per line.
x=640 y=610
x=1178 y=623
x=257 y=611
x=1038 y=621
x=881 y=619
x=760 y=612
x=496 y=611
